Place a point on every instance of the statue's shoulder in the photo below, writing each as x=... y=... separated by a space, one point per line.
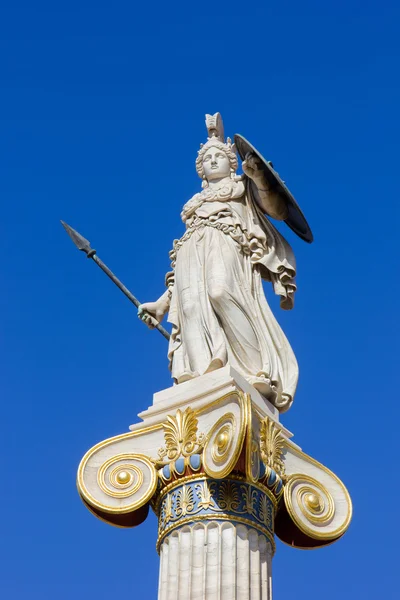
x=238 y=189
x=194 y=199
x=190 y=206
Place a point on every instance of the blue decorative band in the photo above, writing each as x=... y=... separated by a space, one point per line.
x=201 y=499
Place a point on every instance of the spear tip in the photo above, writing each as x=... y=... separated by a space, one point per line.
x=80 y=242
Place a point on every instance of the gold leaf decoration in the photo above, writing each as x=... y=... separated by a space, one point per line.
x=272 y=444
x=204 y=492
x=228 y=496
x=180 y=434
x=265 y=511
x=250 y=499
x=184 y=501
x=168 y=509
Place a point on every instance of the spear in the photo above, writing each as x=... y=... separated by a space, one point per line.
x=83 y=244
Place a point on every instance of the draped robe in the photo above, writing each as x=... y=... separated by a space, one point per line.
x=218 y=309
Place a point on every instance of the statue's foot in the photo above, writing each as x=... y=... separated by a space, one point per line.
x=187 y=376
x=215 y=364
x=263 y=384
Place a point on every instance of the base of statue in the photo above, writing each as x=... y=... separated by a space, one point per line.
x=224 y=477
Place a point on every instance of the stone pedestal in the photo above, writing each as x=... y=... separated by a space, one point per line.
x=223 y=476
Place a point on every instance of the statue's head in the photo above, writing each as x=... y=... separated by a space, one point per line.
x=216 y=159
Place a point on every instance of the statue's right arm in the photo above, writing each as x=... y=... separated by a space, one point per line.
x=152 y=313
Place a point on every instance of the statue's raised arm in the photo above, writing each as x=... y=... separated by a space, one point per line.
x=267 y=179
x=215 y=299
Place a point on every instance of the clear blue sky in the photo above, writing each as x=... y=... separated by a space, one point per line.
x=101 y=114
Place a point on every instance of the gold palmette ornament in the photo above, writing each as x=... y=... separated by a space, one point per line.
x=272 y=445
x=180 y=433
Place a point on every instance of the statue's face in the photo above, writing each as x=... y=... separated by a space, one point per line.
x=216 y=164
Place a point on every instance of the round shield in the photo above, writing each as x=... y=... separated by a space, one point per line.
x=295 y=219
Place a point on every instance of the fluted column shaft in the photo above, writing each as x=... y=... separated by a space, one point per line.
x=215 y=561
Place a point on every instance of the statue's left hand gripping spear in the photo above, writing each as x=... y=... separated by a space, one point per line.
x=82 y=244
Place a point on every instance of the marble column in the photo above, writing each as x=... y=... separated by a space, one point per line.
x=215 y=538
x=217 y=561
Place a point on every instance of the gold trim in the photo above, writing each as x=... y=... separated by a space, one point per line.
x=310 y=501
x=234 y=395
x=272 y=443
x=144 y=430
x=123 y=493
x=178 y=482
x=300 y=478
x=239 y=442
x=226 y=425
x=121 y=477
x=133 y=505
x=317 y=516
x=180 y=435
x=311 y=460
x=314 y=502
x=251 y=444
x=230 y=518
x=100 y=445
x=222 y=443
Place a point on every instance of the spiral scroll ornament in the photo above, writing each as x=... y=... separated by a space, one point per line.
x=125 y=482
x=312 y=508
x=120 y=478
x=223 y=446
x=223 y=443
x=252 y=458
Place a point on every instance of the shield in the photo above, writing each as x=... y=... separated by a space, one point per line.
x=295 y=220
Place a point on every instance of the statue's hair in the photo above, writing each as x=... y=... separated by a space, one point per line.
x=214 y=142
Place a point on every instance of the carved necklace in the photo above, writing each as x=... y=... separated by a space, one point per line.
x=226 y=191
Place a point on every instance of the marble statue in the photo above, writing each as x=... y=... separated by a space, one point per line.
x=215 y=299
x=210 y=456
